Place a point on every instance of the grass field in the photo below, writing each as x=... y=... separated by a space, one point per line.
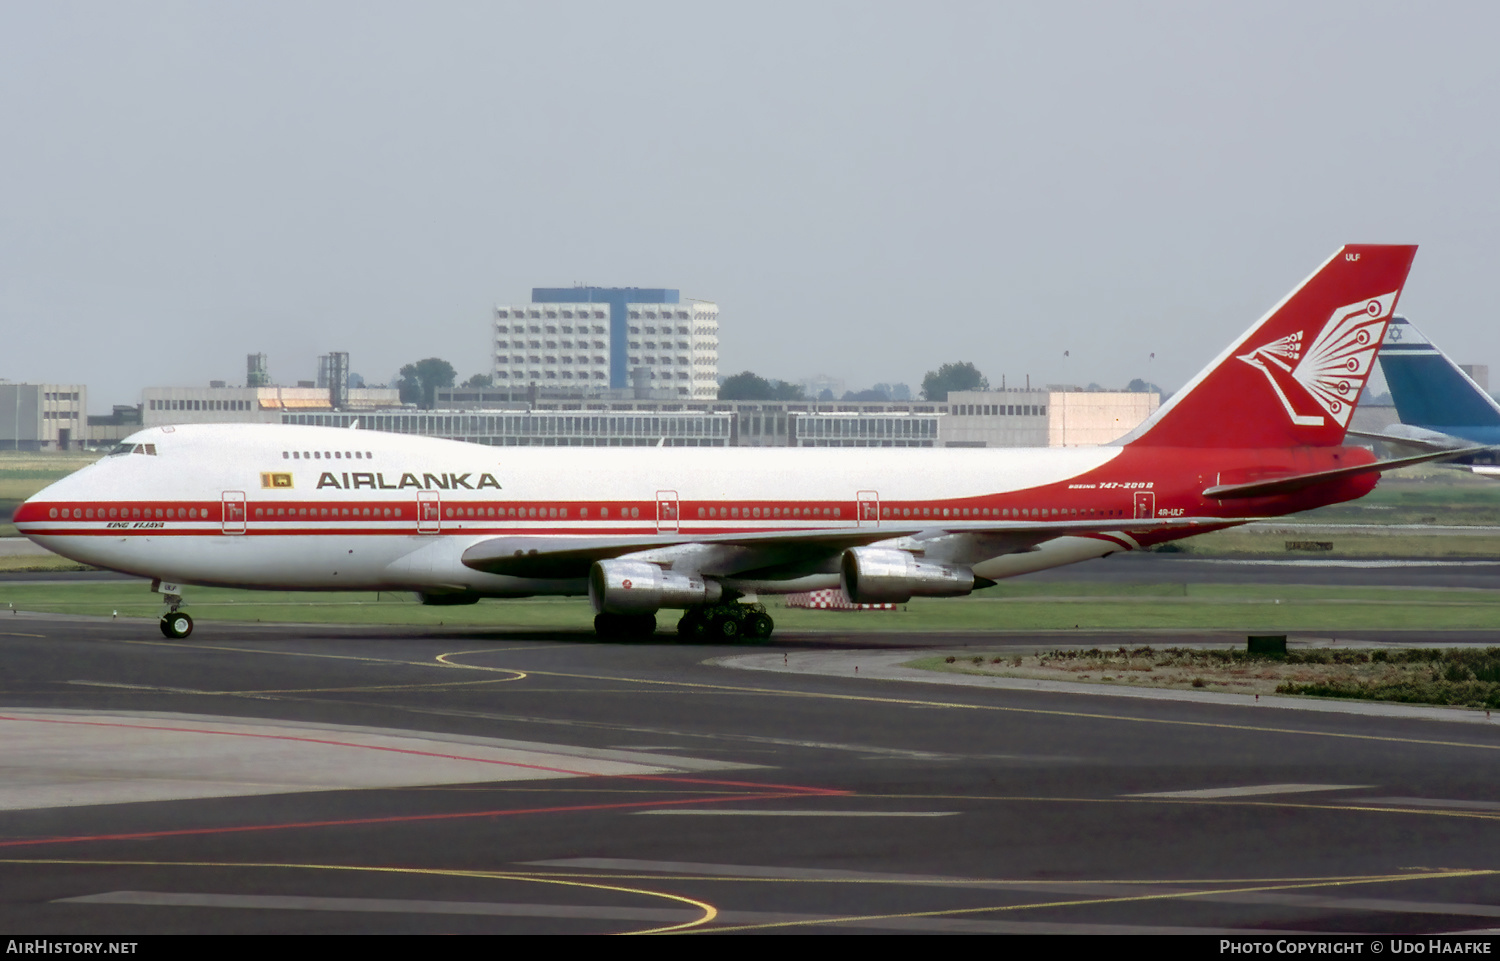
x=23 y=473
x=1269 y=540
x=1459 y=677
x=1017 y=605
x=1420 y=495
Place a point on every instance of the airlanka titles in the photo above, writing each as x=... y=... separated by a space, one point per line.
x=377 y=481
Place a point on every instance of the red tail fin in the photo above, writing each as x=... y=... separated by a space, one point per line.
x=1293 y=378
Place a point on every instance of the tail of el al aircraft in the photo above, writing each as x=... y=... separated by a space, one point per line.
x=1429 y=389
x=1293 y=378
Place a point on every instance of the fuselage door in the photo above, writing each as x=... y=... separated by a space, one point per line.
x=232 y=520
x=666 y=511
x=429 y=513
x=1145 y=505
x=868 y=510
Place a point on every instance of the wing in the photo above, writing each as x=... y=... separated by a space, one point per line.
x=739 y=553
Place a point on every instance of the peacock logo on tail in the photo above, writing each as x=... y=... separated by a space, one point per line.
x=1333 y=369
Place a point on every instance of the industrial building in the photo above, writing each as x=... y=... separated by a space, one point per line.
x=42 y=416
x=1054 y=417
x=260 y=401
x=253 y=405
x=601 y=339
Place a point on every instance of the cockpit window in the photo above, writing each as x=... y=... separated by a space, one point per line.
x=149 y=449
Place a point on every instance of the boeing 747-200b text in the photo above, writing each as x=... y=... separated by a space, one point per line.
x=1259 y=432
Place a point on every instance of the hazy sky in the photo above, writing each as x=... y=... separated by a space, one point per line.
x=866 y=189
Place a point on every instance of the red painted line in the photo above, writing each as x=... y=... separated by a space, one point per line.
x=396 y=819
x=770 y=792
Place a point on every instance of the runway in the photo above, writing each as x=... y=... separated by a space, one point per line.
x=256 y=779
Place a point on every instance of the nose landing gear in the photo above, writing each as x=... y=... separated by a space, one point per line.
x=174 y=623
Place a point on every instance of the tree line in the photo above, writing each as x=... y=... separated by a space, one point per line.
x=419 y=383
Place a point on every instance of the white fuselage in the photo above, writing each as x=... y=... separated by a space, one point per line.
x=312 y=508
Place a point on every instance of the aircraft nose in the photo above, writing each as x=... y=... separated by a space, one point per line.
x=32 y=509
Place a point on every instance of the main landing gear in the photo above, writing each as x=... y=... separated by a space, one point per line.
x=718 y=622
x=726 y=622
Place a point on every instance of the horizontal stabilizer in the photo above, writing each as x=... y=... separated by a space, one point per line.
x=1296 y=482
x=1417 y=438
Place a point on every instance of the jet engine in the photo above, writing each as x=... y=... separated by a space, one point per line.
x=877 y=575
x=636 y=587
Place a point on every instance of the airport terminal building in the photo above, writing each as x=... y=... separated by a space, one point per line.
x=1051 y=417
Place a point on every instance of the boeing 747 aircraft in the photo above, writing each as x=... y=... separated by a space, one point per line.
x=1259 y=432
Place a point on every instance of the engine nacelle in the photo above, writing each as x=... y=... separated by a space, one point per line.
x=878 y=575
x=636 y=587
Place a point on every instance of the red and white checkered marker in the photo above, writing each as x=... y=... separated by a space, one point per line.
x=833 y=599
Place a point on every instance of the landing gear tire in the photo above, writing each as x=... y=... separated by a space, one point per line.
x=176 y=625
x=693 y=626
x=759 y=626
x=726 y=627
